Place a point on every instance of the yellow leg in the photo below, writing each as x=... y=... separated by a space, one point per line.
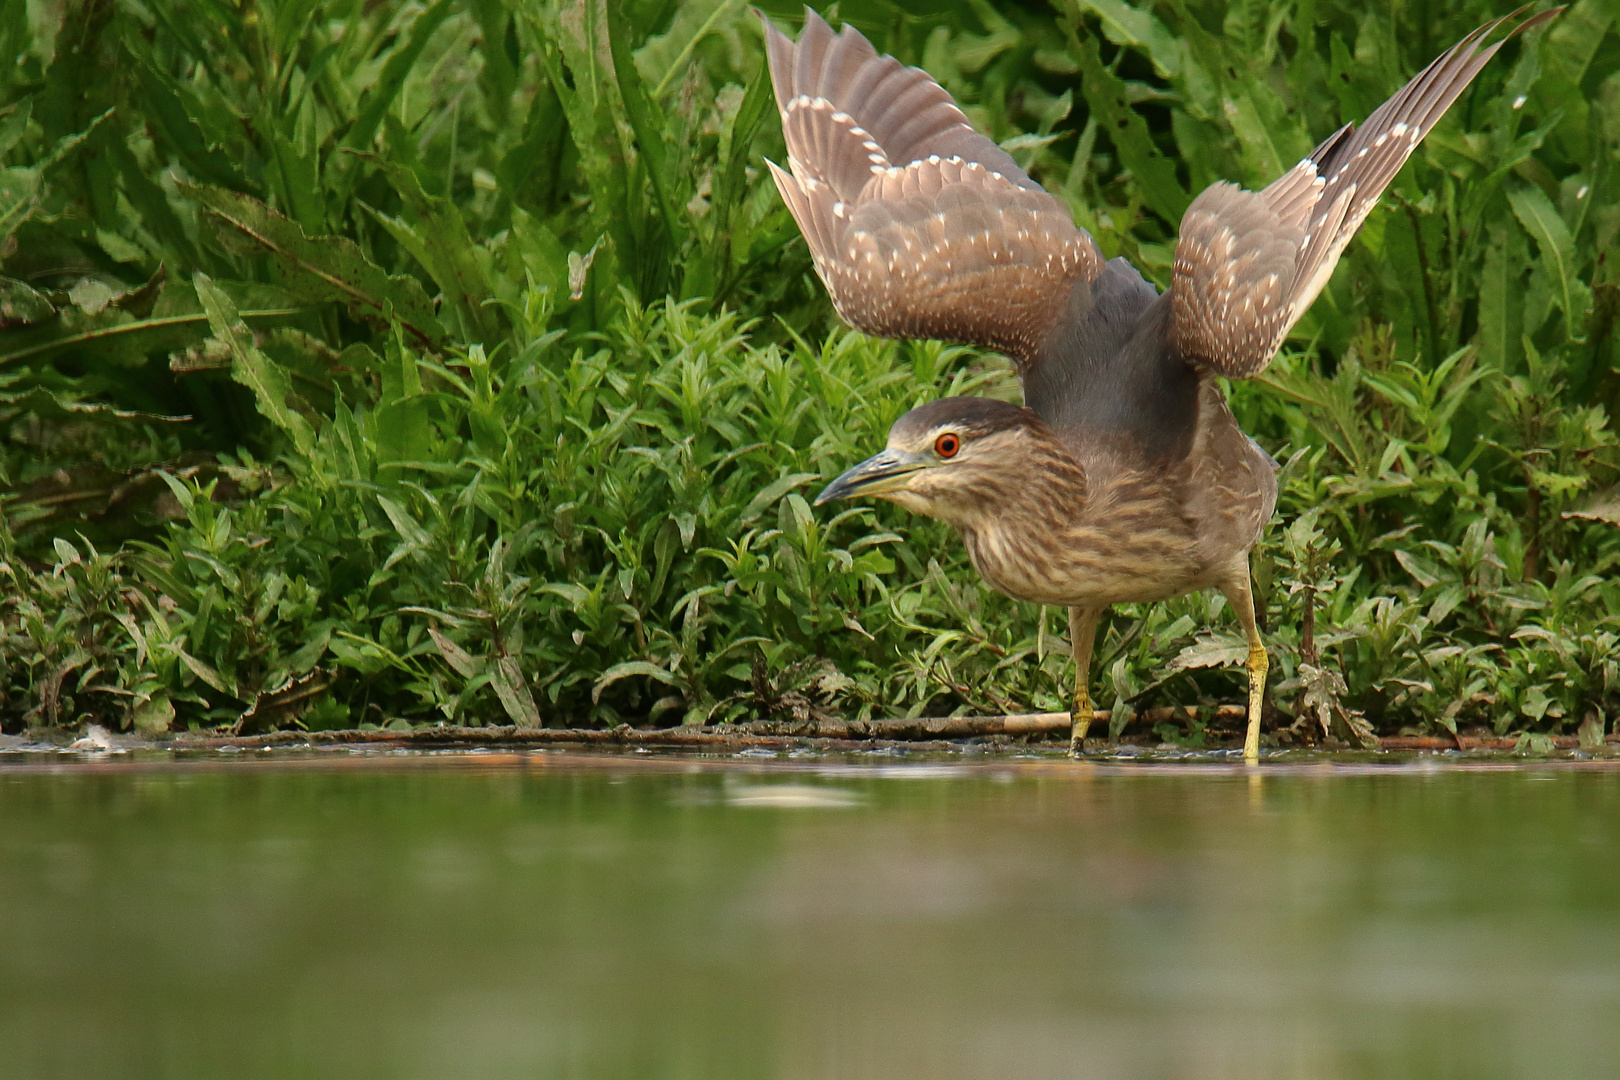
x=1242 y=601
x=1258 y=665
x=1082 y=635
x=1080 y=713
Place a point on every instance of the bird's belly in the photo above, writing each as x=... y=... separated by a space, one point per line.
x=1108 y=571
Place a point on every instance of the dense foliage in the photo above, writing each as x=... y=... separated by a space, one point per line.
x=381 y=362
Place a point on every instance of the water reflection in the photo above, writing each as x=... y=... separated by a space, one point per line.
x=560 y=916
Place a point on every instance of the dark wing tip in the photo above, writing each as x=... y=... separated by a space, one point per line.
x=1533 y=21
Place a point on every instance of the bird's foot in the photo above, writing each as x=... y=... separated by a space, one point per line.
x=1080 y=723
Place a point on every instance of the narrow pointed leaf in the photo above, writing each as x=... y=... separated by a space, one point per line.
x=270 y=384
x=1540 y=219
x=326 y=268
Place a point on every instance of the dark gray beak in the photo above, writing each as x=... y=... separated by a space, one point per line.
x=877 y=475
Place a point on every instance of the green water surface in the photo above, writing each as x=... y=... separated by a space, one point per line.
x=568 y=915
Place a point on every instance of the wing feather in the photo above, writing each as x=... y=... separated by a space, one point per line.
x=918 y=225
x=1248 y=264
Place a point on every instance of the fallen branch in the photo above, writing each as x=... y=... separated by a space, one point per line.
x=623 y=736
x=967 y=727
x=920 y=733
x=862 y=733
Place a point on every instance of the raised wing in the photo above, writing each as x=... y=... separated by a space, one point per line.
x=1249 y=263
x=919 y=226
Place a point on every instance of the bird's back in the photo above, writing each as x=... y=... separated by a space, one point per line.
x=1107 y=380
x=1171 y=479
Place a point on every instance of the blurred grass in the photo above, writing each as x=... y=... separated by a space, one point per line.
x=368 y=363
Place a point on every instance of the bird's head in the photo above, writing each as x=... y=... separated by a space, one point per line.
x=956 y=459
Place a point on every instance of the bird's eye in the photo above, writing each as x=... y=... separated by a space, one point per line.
x=947 y=444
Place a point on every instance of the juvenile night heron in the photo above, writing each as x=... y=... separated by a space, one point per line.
x=1125 y=478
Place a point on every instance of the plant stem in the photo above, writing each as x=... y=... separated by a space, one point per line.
x=1307 y=629
x=1532 y=529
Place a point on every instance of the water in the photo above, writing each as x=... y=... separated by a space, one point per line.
x=564 y=915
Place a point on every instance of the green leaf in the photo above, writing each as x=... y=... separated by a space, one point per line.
x=409 y=529
x=270 y=385
x=507 y=679
x=153 y=716
x=380 y=97
x=459 y=659
x=1210 y=651
x=13 y=124
x=175 y=115
x=438 y=239
x=1501 y=305
x=541 y=254
x=574 y=594
x=114 y=330
x=55 y=405
x=499 y=69
x=771 y=493
x=307 y=655
x=1126 y=25
x=1133 y=141
x=1270 y=140
x=647 y=121
x=208 y=674
x=1540 y=219
x=21 y=305
x=1601 y=506
x=528 y=172
x=629 y=669
x=20 y=189
x=737 y=141
x=400 y=428
x=571 y=50
x=326 y=268
x=1574 y=37
x=294 y=167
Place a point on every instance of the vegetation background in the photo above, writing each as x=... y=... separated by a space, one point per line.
x=380 y=362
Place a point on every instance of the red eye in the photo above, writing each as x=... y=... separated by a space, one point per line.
x=947 y=444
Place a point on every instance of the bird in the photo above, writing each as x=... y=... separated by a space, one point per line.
x=1124 y=477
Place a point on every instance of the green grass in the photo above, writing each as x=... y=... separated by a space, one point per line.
x=368 y=363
